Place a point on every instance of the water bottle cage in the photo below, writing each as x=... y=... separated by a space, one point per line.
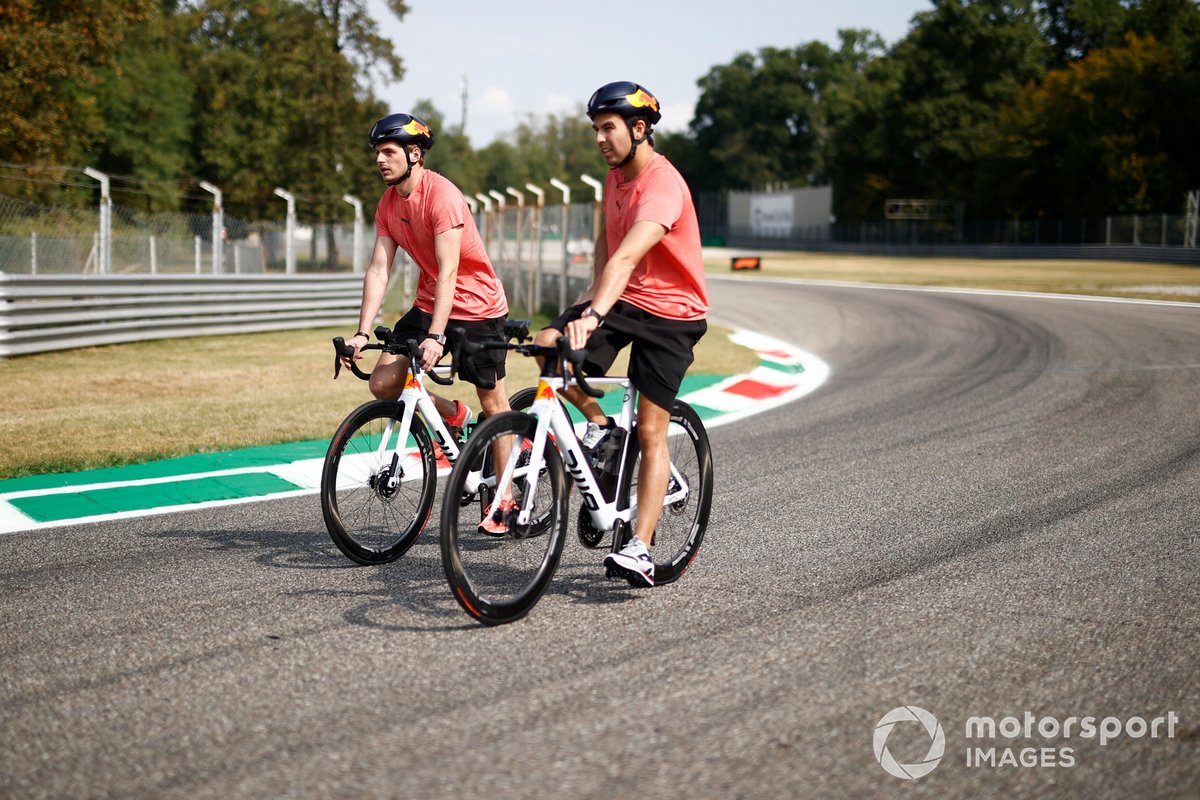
x=608 y=452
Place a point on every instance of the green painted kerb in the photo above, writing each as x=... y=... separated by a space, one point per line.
x=55 y=507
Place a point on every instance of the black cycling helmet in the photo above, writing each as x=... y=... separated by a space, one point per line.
x=403 y=128
x=633 y=102
x=626 y=98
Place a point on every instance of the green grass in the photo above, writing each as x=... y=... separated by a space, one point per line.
x=121 y=404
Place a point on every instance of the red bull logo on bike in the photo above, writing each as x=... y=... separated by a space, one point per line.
x=412 y=383
x=544 y=392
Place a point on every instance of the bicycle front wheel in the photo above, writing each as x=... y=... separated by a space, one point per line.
x=376 y=491
x=689 y=493
x=498 y=577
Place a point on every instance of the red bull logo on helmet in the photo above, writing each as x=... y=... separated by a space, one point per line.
x=642 y=99
x=416 y=128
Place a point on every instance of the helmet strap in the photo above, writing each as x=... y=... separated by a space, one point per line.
x=633 y=144
x=409 y=162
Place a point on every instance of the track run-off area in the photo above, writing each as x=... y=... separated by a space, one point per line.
x=987 y=512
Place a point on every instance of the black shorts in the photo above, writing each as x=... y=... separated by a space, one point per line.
x=661 y=352
x=486 y=365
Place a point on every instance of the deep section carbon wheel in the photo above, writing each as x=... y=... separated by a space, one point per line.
x=377 y=492
x=689 y=493
x=498 y=577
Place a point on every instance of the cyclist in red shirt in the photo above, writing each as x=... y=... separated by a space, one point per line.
x=426 y=215
x=648 y=291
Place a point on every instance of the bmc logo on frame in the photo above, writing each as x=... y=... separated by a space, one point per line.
x=937 y=743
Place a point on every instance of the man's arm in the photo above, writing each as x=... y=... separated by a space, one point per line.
x=447 y=248
x=614 y=275
x=375 y=283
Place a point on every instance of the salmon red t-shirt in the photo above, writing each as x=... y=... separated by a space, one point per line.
x=669 y=281
x=435 y=206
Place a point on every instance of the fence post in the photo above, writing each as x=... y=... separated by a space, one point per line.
x=537 y=260
x=218 y=225
x=289 y=247
x=521 y=221
x=500 y=203
x=487 y=220
x=105 y=254
x=153 y=256
x=33 y=253
x=197 y=255
x=356 y=246
x=566 y=218
x=598 y=189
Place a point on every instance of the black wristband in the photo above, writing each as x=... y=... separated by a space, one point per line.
x=360 y=333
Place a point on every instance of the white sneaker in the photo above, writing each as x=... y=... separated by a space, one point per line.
x=594 y=434
x=633 y=563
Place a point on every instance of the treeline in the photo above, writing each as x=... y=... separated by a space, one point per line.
x=246 y=94
x=1047 y=109
x=1014 y=108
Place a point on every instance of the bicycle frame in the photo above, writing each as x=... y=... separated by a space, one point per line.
x=414 y=398
x=552 y=419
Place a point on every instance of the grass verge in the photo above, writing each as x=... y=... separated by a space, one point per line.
x=1146 y=281
x=121 y=404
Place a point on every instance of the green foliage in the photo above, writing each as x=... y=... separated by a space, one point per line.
x=1111 y=156
x=1012 y=107
x=52 y=56
x=144 y=98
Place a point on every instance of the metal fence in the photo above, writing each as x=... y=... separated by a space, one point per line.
x=161 y=277
x=39 y=313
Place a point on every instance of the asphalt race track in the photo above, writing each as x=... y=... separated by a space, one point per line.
x=990 y=510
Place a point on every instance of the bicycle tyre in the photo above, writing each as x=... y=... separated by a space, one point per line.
x=682 y=525
x=370 y=519
x=497 y=580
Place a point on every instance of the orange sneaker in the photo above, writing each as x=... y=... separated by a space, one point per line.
x=460 y=417
x=497 y=525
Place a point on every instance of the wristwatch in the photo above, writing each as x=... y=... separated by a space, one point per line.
x=437 y=337
x=590 y=312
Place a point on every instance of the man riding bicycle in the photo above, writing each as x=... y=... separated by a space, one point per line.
x=426 y=215
x=648 y=291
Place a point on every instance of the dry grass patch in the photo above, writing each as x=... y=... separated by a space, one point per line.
x=121 y=404
x=1106 y=278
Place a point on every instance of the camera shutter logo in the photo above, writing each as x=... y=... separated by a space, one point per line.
x=937 y=745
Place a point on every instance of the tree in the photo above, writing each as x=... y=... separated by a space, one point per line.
x=52 y=55
x=145 y=100
x=1107 y=134
x=761 y=119
x=281 y=101
x=1073 y=28
x=922 y=113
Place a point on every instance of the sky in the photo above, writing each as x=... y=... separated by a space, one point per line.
x=536 y=57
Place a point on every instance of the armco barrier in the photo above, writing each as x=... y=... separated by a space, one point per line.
x=39 y=313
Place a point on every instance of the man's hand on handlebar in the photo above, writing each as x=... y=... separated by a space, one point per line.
x=431 y=353
x=356 y=341
x=579 y=330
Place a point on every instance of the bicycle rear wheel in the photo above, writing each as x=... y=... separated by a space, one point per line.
x=376 y=492
x=498 y=579
x=689 y=493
